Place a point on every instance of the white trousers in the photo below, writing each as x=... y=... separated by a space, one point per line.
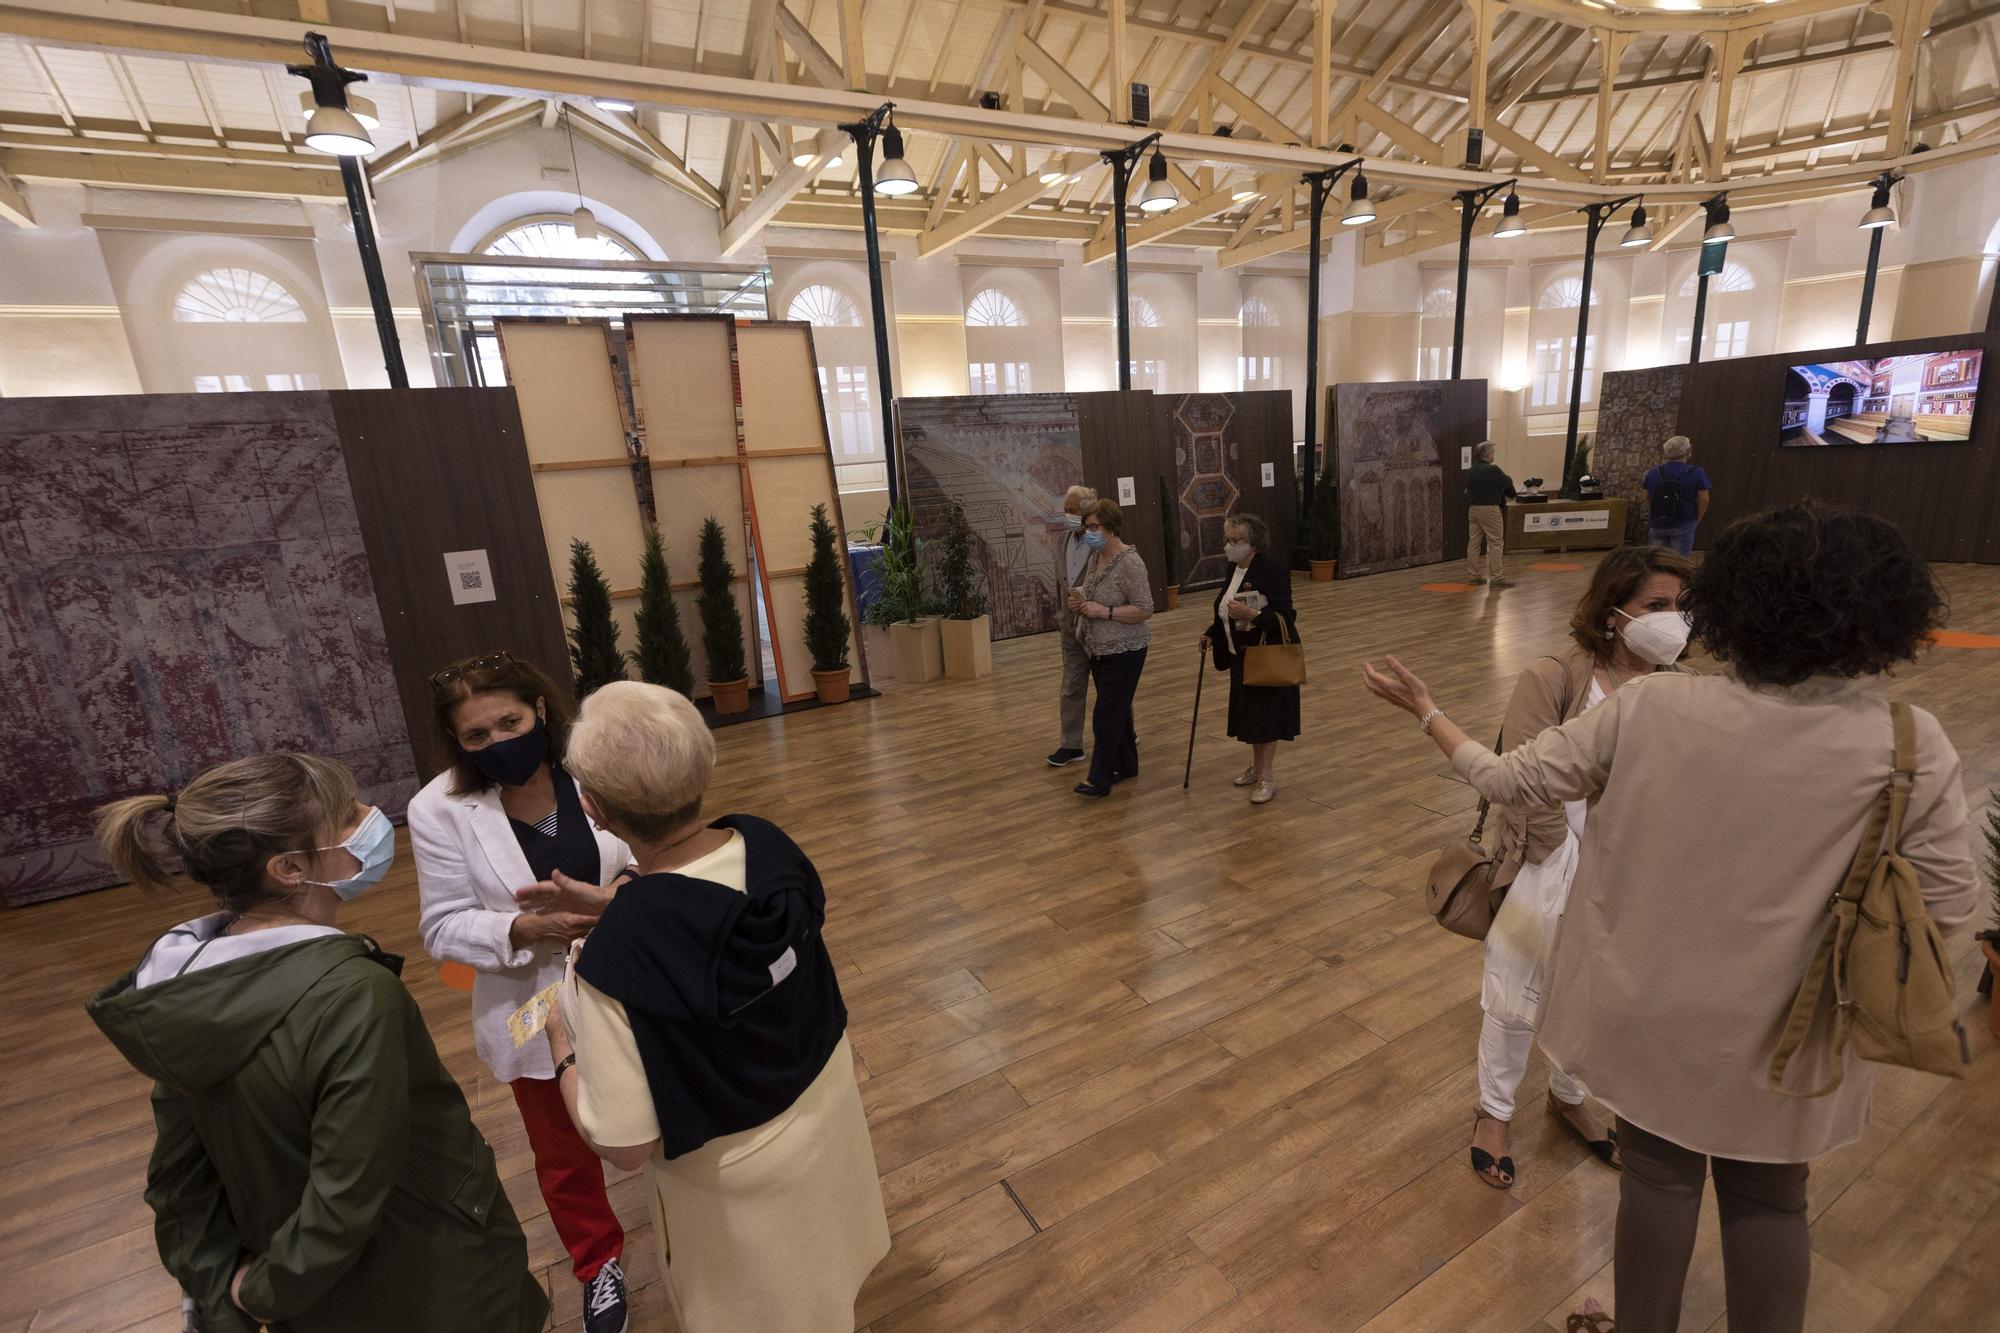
x=1517 y=958
x=1503 y=1059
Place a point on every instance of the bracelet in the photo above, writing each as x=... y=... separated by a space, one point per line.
x=1424 y=722
x=567 y=1062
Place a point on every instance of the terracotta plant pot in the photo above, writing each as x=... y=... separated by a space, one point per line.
x=918 y=648
x=1323 y=570
x=968 y=647
x=834 y=686
x=731 y=696
x=1173 y=597
x=1993 y=1000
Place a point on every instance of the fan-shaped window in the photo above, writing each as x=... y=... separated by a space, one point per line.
x=1733 y=278
x=1565 y=294
x=551 y=238
x=1441 y=303
x=1256 y=315
x=1143 y=314
x=993 y=309
x=824 y=307
x=236 y=296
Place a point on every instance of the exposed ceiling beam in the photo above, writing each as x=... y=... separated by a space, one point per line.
x=13 y=207
x=1002 y=204
x=627 y=126
x=790 y=178
x=819 y=63
x=198 y=176
x=487 y=113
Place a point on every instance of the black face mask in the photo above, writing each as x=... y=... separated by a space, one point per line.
x=513 y=761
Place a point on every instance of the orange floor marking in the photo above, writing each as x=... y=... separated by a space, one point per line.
x=1958 y=638
x=1447 y=587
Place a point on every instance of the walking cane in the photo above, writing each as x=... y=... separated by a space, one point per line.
x=1195 y=721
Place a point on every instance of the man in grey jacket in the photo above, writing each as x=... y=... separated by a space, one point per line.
x=1072 y=557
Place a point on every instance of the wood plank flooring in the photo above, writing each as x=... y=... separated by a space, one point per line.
x=1163 y=1061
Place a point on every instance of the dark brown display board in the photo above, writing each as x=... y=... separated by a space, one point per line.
x=1945 y=496
x=437 y=471
x=1221 y=444
x=1398 y=452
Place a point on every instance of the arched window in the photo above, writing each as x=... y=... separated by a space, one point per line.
x=1256 y=315
x=1143 y=315
x=1733 y=278
x=556 y=238
x=1442 y=303
x=994 y=309
x=825 y=307
x=236 y=296
x=1564 y=294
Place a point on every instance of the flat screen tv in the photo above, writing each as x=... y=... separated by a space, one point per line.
x=1927 y=398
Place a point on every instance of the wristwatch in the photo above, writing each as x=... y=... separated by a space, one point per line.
x=563 y=1064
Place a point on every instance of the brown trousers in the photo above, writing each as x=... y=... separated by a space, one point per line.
x=1766 y=1247
x=1487 y=527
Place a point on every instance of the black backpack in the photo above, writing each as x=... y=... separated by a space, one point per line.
x=1670 y=505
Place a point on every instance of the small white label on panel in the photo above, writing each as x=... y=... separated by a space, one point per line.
x=1128 y=494
x=1270 y=475
x=1465 y=458
x=470 y=575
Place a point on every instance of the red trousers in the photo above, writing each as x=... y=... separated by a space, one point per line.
x=571 y=1177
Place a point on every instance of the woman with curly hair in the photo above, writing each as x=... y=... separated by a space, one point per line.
x=1726 y=809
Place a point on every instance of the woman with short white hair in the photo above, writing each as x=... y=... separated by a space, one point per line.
x=702 y=1035
x=1073 y=560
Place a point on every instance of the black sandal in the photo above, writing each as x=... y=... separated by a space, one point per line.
x=1604 y=1150
x=1484 y=1162
x=1592 y=1318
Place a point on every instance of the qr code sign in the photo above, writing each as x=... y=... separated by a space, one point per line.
x=471 y=580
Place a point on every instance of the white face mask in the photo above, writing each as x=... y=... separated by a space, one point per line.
x=1659 y=637
x=1074 y=522
x=1236 y=553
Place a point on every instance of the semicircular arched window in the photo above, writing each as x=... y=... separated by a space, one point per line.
x=1565 y=294
x=1441 y=303
x=236 y=296
x=1254 y=314
x=553 y=238
x=1733 y=278
x=994 y=309
x=824 y=307
x=1144 y=316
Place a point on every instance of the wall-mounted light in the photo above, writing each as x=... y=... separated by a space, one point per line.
x=1158 y=194
x=1358 y=209
x=1879 y=213
x=360 y=107
x=1510 y=223
x=894 y=177
x=1719 y=229
x=1638 y=233
x=1244 y=194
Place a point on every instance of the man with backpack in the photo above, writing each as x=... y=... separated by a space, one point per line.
x=1677 y=498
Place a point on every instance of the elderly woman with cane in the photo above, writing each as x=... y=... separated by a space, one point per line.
x=1253 y=609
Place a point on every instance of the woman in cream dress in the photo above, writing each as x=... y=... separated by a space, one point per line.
x=701 y=1034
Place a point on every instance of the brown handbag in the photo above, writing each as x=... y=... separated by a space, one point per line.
x=1275 y=665
x=1461 y=893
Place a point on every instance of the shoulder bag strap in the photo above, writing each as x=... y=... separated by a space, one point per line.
x=1479 y=826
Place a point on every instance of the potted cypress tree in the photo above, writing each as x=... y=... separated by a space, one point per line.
x=1170 y=543
x=966 y=632
x=914 y=636
x=827 y=626
x=1989 y=939
x=721 y=624
x=1323 y=527
x=594 y=654
x=662 y=654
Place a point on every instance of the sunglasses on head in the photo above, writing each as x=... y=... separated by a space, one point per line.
x=485 y=662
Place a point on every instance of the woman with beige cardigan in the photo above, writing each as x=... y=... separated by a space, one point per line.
x=1725 y=811
x=1627 y=625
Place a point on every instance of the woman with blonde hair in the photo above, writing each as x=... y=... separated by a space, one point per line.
x=315 y=1168
x=702 y=1036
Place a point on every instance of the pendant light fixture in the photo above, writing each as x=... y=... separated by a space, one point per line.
x=1358 y=210
x=583 y=221
x=1638 y=233
x=1879 y=213
x=1158 y=195
x=1510 y=223
x=894 y=177
x=1719 y=229
x=360 y=107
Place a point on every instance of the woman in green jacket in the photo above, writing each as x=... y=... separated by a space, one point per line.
x=316 y=1168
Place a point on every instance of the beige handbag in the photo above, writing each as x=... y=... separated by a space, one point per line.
x=1892 y=990
x=1461 y=893
x=1274 y=665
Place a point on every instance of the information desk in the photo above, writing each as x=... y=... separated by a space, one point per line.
x=1566 y=525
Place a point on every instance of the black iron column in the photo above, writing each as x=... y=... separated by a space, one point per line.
x=864 y=133
x=1598 y=215
x=1321 y=183
x=1868 y=282
x=1700 y=310
x=1121 y=161
x=1470 y=202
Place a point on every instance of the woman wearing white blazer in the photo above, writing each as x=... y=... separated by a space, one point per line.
x=504 y=818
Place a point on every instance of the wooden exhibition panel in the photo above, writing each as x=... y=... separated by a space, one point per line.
x=1566 y=525
x=565 y=377
x=788 y=463
x=684 y=410
x=1120 y=434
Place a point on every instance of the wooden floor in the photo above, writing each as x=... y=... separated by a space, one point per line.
x=1156 y=1062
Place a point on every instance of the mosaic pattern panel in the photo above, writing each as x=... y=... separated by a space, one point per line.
x=1008 y=458
x=183 y=583
x=1639 y=410
x=1205 y=431
x=1391 y=483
